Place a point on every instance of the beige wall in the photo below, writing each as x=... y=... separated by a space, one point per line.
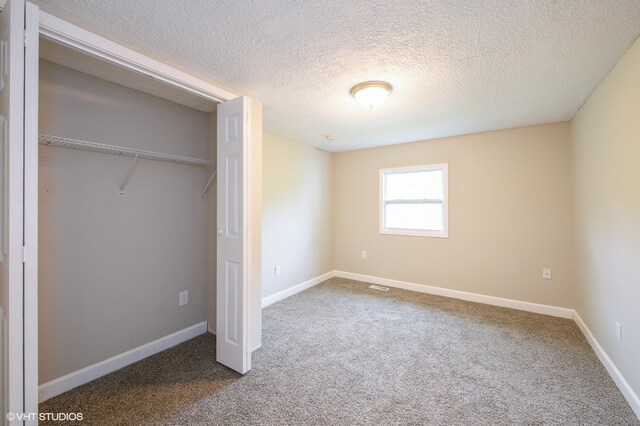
x=255 y=222
x=606 y=154
x=509 y=215
x=111 y=267
x=297 y=213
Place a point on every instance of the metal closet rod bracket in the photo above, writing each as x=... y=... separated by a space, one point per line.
x=206 y=188
x=126 y=178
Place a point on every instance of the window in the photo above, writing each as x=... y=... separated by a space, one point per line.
x=414 y=201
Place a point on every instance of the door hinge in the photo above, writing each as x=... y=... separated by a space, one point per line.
x=25 y=37
x=24 y=254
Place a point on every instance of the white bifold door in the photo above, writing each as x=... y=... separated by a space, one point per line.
x=233 y=211
x=18 y=228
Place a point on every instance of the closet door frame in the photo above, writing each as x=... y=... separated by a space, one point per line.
x=67 y=34
x=87 y=42
x=18 y=251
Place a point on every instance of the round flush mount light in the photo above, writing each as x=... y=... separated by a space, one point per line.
x=371 y=93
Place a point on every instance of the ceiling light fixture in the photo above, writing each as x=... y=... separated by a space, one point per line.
x=371 y=93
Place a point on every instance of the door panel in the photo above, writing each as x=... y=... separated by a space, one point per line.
x=233 y=288
x=232 y=281
x=233 y=216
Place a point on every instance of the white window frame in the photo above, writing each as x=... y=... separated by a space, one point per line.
x=444 y=167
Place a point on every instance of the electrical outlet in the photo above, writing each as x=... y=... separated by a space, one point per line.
x=546 y=273
x=183 y=298
x=364 y=254
x=619 y=331
x=276 y=270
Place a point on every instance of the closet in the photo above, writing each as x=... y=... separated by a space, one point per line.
x=123 y=220
x=127 y=219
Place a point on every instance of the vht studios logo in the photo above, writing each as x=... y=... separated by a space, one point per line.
x=41 y=417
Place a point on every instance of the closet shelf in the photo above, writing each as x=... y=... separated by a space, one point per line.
x=119 y=150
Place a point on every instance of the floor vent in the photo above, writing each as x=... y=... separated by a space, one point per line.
x=379 y=287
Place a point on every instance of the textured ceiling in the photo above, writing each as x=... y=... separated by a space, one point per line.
x=457 y=66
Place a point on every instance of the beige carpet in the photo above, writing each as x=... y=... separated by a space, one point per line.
x=343 y=354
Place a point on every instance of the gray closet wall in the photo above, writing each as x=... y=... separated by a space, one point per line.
x=111 y=266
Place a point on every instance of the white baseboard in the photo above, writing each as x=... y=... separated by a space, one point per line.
x=613 y=371
x=65 y=383
x=421 y=288
x=266 y=301
x=463 y=295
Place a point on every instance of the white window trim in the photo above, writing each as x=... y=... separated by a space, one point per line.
x=445 y=202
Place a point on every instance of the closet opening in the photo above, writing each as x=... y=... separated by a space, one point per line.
x=126 y=217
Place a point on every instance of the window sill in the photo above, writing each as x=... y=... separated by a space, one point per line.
x=415 y=233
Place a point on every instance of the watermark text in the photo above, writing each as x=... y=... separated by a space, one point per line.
x=41 y=417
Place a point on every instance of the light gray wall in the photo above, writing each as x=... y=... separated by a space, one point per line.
x=297 y=212
x=111 y=267
x=212 y=236
x=509 y=215
x=606 y=155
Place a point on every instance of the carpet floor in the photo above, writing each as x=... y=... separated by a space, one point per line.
x=343 y=354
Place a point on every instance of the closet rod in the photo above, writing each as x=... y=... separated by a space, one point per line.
x=119 y=150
